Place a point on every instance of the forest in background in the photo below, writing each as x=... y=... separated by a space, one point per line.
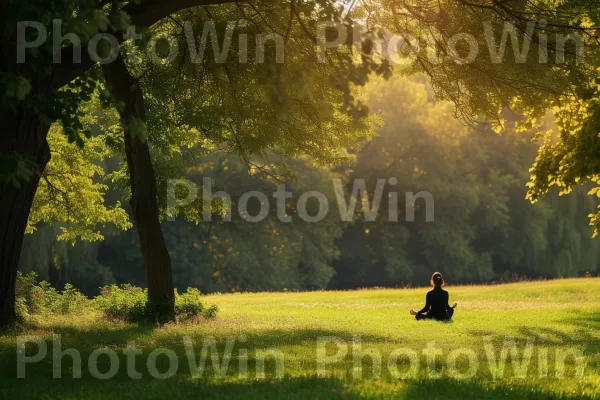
x=484 y=228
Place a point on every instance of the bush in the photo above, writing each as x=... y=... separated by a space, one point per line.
x=27 y=301
x=189 y=306
x=39 y=297
x=70 y=300
x=124 y=302
x=129 y=303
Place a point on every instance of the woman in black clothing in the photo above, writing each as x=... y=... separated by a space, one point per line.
x=436 y=302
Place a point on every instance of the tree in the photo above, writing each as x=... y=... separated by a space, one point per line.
x=37 y=93
x=530 y=57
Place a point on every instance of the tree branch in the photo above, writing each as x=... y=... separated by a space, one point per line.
x=144 y=14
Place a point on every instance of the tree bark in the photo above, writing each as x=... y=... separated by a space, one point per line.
x=127 y=91
x=23 y=134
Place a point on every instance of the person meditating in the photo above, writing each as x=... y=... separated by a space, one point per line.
x=436 y=302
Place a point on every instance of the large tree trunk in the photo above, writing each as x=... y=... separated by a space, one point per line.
x=127 y=91
x=23 y=135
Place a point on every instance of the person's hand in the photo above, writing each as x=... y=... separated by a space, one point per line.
x=454 y=305
x=413 y=312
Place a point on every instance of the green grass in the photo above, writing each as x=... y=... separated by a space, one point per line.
x=559 y=316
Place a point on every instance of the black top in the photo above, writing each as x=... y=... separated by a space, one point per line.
x=436 y=303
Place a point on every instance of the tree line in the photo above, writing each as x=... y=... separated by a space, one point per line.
x=484 y=229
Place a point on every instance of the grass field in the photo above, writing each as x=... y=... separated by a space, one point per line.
x=546 y=321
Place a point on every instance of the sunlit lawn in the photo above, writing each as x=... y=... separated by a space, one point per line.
x=555 y=316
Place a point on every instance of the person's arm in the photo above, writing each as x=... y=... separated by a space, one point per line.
x=427 y=305
x=449 y=306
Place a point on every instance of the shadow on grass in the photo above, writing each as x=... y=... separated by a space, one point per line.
x=93 y=336
x=585 y=320
x=106 y=335
x=585 y=336
x=450 y=389
x=147 y=339
x=39 y=382
x=287 y=388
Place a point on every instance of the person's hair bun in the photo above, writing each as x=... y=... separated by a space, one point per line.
x=437 y=279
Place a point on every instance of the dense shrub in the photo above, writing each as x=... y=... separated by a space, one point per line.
x=129 y=303
x=124 y=302
x=189 y=305
x=39 y=297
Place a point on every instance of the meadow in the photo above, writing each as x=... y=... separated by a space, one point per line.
x=328 y=345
